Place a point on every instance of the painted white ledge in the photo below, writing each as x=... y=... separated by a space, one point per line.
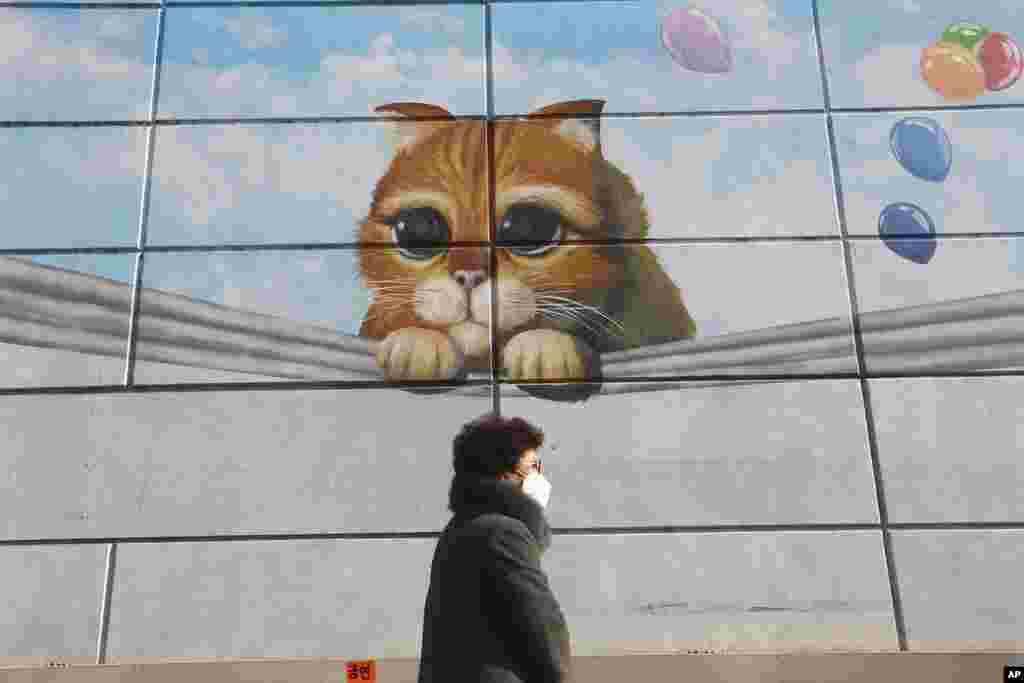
x=44 y=306
x=50 y=307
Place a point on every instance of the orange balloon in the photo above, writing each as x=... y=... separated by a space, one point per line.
x=952 y=71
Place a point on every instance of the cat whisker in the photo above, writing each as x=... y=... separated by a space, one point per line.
x=516 y=307
x=557 y=314
x=566 y=309
x=373 y=282
x=515 y=300
x=433 y=289
x=395 y=288
x=546 y=291
x=391 y=301
x=431 y=296
x=584 y=307
x=393 y=293
x=598 y=327
x=393 y=296
x=592 y=325
x=575 y=312
x=390 y=279
x=387 y=309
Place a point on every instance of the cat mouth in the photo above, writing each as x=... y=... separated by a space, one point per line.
x=472 y=338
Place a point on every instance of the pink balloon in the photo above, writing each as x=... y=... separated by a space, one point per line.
x=696 y=41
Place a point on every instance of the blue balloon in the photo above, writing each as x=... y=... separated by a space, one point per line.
x=914 y=226
x=922 y=147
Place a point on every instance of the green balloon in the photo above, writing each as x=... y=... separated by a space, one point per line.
x=965 y=33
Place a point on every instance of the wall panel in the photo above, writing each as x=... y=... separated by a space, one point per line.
x=51 y=597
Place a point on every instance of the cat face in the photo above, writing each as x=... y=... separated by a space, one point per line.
x=551 y=185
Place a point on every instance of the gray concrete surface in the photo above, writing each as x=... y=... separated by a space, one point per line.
x=50 y=600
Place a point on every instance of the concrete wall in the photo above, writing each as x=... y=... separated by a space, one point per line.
x=180 y=481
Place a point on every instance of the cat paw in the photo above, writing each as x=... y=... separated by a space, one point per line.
x=415 y=353
x=545 y=354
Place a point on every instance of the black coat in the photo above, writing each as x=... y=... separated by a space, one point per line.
x=490 y=615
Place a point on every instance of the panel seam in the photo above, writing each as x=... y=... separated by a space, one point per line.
x=872 y=440
x=106 y=603
x=133 y=320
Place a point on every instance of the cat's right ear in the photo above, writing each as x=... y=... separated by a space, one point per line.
x=585 y=131
x=408 y=133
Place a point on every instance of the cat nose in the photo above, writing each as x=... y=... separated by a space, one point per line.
x=469 y=278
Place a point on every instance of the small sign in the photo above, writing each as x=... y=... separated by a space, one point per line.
x=1013 y=673
x=361 y=670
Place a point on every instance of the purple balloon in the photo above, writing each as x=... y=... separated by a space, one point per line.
x=696 y=41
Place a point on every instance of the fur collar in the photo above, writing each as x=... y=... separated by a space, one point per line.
x=473 y=496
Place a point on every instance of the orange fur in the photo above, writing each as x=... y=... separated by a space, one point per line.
x=552 y=160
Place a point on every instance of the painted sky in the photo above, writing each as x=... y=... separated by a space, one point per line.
x=728 y=176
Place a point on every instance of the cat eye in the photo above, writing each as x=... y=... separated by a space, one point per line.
x=530 y=223
x=420 y=233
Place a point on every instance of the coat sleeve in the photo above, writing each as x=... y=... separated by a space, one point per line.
x=531 y=621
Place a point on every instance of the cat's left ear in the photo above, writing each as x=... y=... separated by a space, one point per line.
x=585 y=132
x=408 y=133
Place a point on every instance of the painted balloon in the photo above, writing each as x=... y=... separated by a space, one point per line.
x=696 y=41
x=908 y=231
x=922 y=148
x=952 y=71
x=1001 y=60
x=965 y=33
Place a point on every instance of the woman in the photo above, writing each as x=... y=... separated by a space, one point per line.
x=490 y=615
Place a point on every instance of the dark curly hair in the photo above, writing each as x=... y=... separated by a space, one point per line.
x=489 y=446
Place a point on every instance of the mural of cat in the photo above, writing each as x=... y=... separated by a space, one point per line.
x=557 y=304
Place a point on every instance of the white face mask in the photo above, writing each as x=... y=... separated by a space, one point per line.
x=537 y=487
